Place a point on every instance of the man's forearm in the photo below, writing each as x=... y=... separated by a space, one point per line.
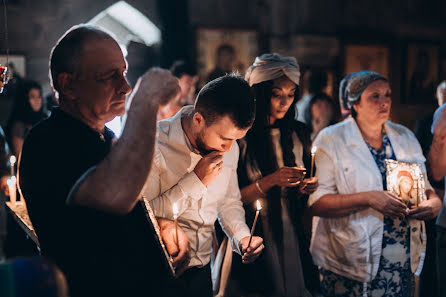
x=116 y=184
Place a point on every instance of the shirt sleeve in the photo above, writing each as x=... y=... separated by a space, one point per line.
x=326 y=169
x=188 y=187
x=231 y=214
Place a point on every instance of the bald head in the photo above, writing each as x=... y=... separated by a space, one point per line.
x=67 y=53
x=441 y=93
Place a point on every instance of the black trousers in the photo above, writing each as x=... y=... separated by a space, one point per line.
x=195 y=282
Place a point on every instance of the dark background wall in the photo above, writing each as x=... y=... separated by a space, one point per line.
x=34 y=27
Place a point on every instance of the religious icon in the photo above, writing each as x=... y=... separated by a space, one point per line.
x=406 y=180
x=155 y=230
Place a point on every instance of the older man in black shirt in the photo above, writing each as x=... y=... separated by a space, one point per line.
x=82 y=186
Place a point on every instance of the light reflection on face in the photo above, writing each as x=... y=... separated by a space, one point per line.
x=282 y=97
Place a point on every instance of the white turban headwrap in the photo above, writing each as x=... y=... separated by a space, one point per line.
x=272 y=66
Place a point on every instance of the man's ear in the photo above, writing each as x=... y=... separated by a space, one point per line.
x=198 y=119
x=66 y=85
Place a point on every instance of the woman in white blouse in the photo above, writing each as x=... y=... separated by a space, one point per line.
x=365 y=240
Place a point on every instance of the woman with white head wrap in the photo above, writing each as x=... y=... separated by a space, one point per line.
x=365 y=240
x=273 y=158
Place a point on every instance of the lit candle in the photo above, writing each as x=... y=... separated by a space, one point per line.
x=259 y=207
x=12 y=161
x=313 y=152
x=12 y=186
x=175 y=219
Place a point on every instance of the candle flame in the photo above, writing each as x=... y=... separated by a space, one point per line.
x=175 y=210
x=259 y=207
x=12 y=160
x=11 y=181
x=313 y=150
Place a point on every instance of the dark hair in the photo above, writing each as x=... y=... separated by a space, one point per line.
x=316 y=81
x=181 y=67
x=229 y=95
x=22 y=110
x=66 y=54
x=260 y=148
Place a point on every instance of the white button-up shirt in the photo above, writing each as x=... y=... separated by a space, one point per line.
x=172 y=180
x=351 y=245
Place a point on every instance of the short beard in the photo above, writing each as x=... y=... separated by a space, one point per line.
x=201 y=146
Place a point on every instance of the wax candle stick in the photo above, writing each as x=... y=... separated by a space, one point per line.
x=259 y=207
x=175 y=219
x=12 y=186
x=313 y=152
x=12 y=161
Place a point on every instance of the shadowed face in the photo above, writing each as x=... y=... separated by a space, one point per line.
x=218 y=136
x=101 y=86
x=282 y=97
x=35 y=99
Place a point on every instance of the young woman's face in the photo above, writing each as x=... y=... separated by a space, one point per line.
x=282 y=97
x=35 y=99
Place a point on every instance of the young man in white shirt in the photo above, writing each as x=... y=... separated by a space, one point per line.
x=195 y=167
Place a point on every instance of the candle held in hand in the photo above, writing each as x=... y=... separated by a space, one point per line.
x=313 y=152
x=259 y=207
x=175 y=219
x=12 y=161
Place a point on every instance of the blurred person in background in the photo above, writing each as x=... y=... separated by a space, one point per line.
x=322 y=113
x=27 y=111
x=314 y=82
x=187 y=78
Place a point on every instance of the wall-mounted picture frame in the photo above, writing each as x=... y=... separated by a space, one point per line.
x=18 y=61
x=422 y=72
x=222 y=50
x=373 y=57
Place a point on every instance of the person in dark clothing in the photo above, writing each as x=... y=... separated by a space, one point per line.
x=27 y=111
x=274 y=167
x=82 y=185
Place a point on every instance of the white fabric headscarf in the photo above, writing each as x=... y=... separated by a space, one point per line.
x=272 y=66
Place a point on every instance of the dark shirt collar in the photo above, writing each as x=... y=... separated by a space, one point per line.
x=72 y=123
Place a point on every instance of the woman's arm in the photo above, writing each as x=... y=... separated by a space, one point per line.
x=335 y=205
x=283 y=177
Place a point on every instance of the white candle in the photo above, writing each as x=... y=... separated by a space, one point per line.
x=12 y=161
x=259 y=207
x=12 y=186
x=175 y=219
x=313 y=152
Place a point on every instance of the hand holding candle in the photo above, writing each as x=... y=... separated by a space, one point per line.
x=313 y=152
x=259 y=207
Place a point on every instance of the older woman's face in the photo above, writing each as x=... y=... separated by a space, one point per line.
x=375 y=103
x=282 y=97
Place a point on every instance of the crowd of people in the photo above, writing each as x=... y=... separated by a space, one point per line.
x=136 y=215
